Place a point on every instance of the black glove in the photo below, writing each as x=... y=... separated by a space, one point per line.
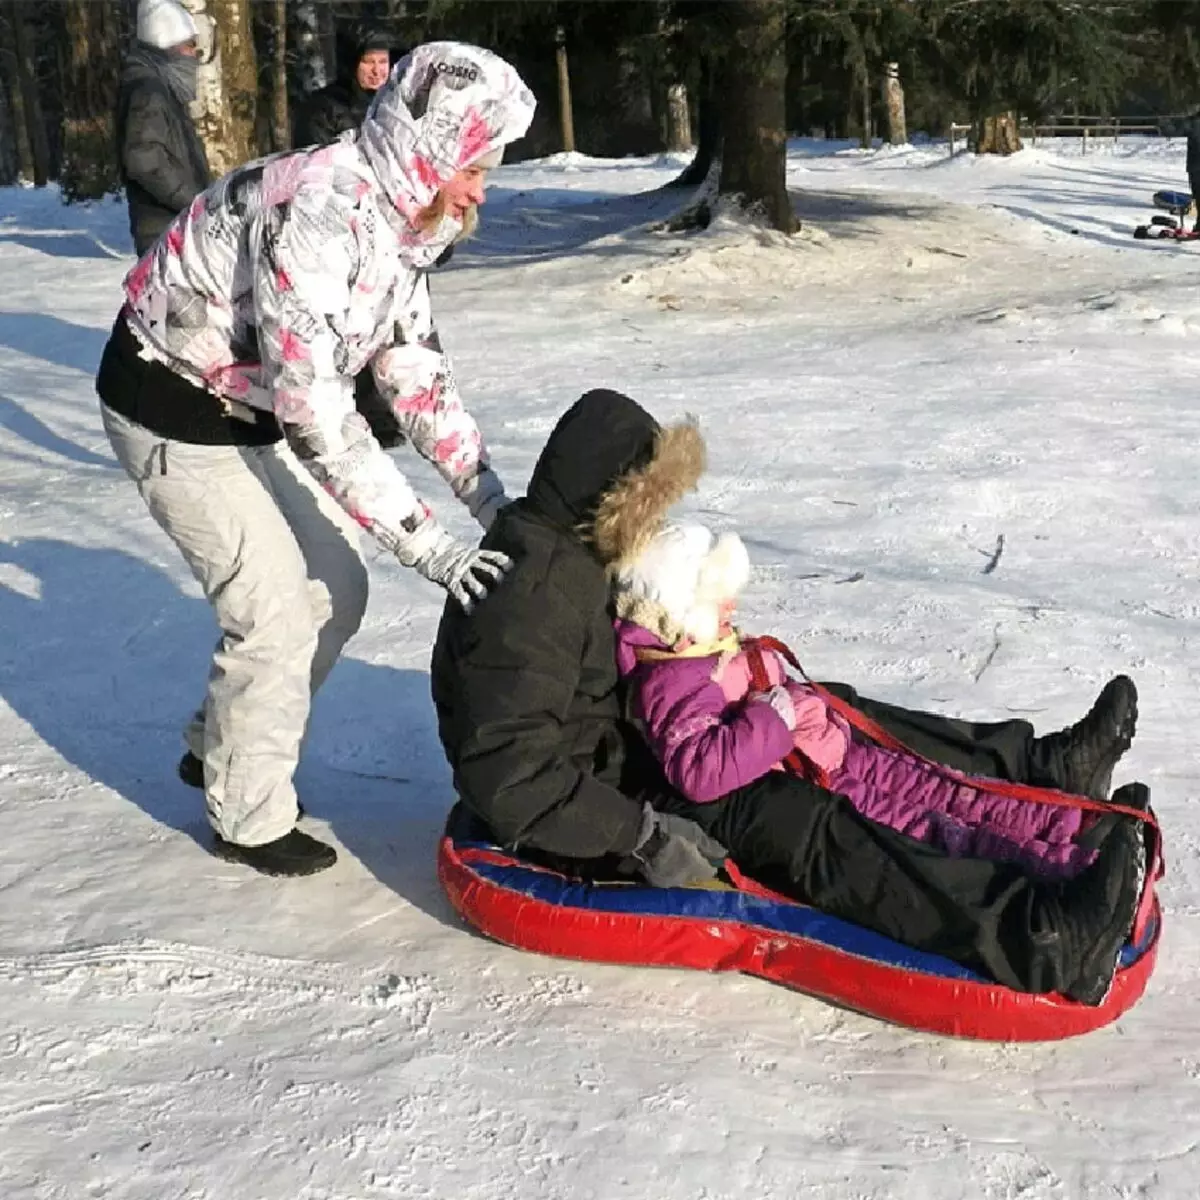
x=675 y=852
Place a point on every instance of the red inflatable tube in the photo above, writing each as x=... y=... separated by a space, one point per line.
x=534 y=909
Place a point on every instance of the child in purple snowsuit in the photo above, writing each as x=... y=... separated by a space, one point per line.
x=692 y=691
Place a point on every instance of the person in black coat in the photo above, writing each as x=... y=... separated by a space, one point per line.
x=532 y=718
x=163 y=165
x=363 y=65
x=1193 y=164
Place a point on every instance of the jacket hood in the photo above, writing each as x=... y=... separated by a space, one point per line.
x=349 y=47
x=444 y=106
x=609 y=472
x=164 y=23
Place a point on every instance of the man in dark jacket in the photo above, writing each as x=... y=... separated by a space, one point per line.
x=363 y=64
x=163 y=164
x=531 y=716
x=1193 y=164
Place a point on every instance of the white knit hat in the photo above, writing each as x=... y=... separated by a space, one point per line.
x=164 y=23
x=675 y=585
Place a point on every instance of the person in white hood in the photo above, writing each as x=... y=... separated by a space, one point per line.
x=162 y=159
x=227 y=394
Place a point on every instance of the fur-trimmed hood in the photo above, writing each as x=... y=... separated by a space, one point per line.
x=609 y=473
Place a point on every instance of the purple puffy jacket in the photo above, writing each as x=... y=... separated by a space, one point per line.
x=710 y=746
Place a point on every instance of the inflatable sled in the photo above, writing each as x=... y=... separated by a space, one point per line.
x=1176 y=206
x=742 y=927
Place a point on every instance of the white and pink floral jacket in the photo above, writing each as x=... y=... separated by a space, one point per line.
x=291 y=274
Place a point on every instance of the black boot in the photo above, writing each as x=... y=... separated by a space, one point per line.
x=1096 y=911
x=293 y=854
x=1132 y=795
x=191 y=771
x=1080 y=759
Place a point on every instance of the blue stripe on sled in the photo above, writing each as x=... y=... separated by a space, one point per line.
x=795 y=920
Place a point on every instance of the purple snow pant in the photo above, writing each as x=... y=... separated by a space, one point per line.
x=933 y=806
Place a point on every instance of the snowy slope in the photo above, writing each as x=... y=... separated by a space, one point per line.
x=951 y=351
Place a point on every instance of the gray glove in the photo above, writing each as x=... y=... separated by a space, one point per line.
x=466 y=572
x=675 y=852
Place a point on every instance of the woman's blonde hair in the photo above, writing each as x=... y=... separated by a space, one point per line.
x=436 y=210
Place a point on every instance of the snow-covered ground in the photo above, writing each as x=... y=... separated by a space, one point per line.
x=950 y=352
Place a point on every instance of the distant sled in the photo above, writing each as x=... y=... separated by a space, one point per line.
x=744 y=927
x=1170 y=227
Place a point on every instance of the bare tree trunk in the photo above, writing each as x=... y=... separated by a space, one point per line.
x=93 y=49
x=31 y=108
x=708 y=129
x=893 y=102
x=679 y=118
x=308 y=56
x=327 y=28
x=10 y=153
x=865 y=83
x=566 y=117
x=754 y=160
x=669 y=94
x=9 y=162
x=280 y=128
x=14 y=133
x=997 y=134
x=228 y=89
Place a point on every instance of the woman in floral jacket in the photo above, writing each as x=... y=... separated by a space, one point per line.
x=227 y=390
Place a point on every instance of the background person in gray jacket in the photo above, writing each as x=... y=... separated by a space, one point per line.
x=163 y=164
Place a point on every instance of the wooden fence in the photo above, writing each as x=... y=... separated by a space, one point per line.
x=1087 y=129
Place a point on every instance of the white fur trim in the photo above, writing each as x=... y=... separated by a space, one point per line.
x=164 y=23
x=649 y=614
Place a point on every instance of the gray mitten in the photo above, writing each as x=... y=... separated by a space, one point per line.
x=675 y=852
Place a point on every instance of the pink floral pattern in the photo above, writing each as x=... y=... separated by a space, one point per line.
x=476 y=138
x=138 y=278
x=292 y=347
x=303 y=258
x=422 y=403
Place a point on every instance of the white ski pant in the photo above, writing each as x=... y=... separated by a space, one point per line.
x=281 y=565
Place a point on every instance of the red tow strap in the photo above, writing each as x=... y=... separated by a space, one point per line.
x=798 y=764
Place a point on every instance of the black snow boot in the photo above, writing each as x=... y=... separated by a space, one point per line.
x=191 y=771
x=293 y=854
x=1096 y=911
x=1080 y=759
x=1132 y=795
